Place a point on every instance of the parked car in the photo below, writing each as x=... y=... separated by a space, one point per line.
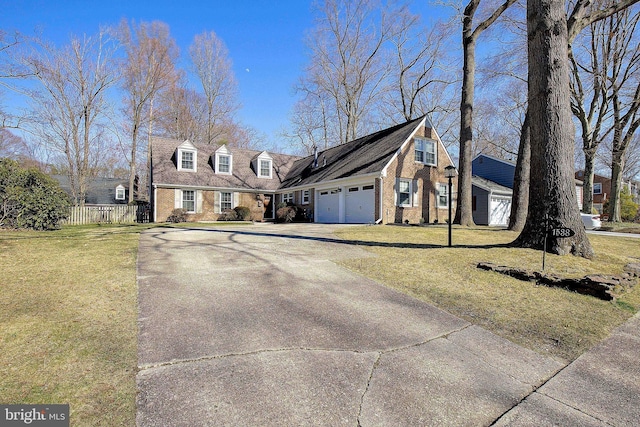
x=591 y=221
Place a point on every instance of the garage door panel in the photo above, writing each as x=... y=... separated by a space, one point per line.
x=500 y=210
x=328 y=206
x=359 y=204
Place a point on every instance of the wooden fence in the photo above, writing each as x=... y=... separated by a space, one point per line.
x=79 y=215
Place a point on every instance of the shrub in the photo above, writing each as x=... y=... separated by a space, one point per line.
x=286 y=214
x=177 y=215
x=228 y=215
x=628 y=209
x=243 y=213
x=30 y=199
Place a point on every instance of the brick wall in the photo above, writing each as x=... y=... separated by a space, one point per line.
x=166 y=200
x=427 y=178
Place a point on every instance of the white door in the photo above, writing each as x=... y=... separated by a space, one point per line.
x=500 y=210
x=328 y=206
x=359 y=204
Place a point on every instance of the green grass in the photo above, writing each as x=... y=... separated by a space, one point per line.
x=553 y=322
x=68 y=312
x=68 y=321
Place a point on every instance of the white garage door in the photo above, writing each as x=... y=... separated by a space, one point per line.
x=500 y=210
x=329 y=206
x=359 y=204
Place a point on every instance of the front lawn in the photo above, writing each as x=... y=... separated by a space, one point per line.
x=553 y=322
x=68 y=321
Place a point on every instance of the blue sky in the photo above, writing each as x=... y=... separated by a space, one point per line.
x=265 y=39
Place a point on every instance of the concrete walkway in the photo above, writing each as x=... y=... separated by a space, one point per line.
x=256 y=326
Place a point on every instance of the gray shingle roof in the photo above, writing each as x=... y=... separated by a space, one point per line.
x=362 y=156
x=100 y=191
x=490 y=185
x=243 y=176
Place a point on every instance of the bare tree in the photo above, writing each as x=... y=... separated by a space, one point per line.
x=211 y=64
x=552 y=195
x=309 y=120
x=470 y=35
x=71 y=100
x=598 y=73
x=149 y=67
x=625 y=97
x=181 y=112
x=347 y=64
x=419 y=72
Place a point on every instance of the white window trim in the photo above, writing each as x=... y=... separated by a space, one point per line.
x=424 y=142
x=419 y=143
x=398 y=183
x=260 y=174
x=222 y=209
x=446 y=192
x=414 y=199
x=218 y=156
x=195 y=200
x=306 y=197
x=120 y=190
x=181 y=151
x=599 y=186
x=288 y=197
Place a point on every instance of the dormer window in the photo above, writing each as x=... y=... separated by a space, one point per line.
x=223 y=161
x=120 y=192
x=265 y=168
x=263 y=165
x=187 y=159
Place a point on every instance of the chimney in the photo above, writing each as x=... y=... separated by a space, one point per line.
x=315 y=156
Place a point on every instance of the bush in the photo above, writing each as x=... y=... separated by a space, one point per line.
x=177 y=215
x=30 y=199
x=228 y=215
x=286 y=214
x=243 y=213
x=628 y=209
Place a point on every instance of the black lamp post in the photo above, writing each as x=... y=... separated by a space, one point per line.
x=449 y=173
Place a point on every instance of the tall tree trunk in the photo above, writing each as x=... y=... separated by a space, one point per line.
x=552 y=194
x=520 y=197
x=617 y=167
x=464 y=208
x=587 y=183
x=132 y=164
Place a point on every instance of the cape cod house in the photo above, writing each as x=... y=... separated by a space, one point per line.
x=394 y=175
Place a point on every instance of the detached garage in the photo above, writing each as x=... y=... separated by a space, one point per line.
x=491 y=202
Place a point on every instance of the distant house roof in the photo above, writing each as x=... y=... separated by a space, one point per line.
x=362 y=156
x=100 y=191
x=243 y=175
x=490 y=186
x=493 y=169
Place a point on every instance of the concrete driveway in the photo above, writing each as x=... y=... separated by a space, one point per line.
x=257 y=326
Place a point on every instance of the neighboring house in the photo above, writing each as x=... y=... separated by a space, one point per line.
x=100 y=191
x=602 y=189
x=492 y=190
x=394 y=175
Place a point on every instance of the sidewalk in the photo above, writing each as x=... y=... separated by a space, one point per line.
x=600 y=388
x=254 y=328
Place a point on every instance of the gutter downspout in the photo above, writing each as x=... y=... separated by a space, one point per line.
x=379 y=220
x=155 y=202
